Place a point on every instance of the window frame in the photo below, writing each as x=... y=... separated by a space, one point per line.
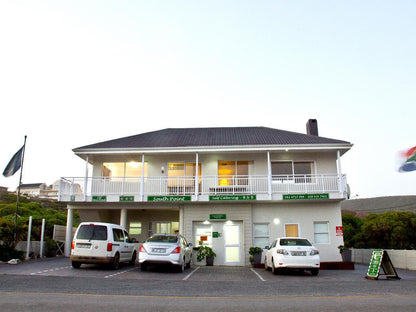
x=321 y=233
x=261 y=236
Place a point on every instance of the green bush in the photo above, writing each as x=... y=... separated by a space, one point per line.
x=7 y=253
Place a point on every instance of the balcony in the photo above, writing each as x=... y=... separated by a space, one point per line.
x=138 y=189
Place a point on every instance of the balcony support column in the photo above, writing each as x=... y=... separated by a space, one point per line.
x=339 y=172
x=68 y=237
x=123 y=218
x=269 y=175
x=86 y=179
x=142 y=181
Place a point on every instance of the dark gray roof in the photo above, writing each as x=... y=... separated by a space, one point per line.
x=193 y=137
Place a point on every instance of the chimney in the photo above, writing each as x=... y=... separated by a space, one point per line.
x=312 y=127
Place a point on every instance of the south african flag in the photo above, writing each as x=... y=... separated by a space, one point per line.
x=410 y=162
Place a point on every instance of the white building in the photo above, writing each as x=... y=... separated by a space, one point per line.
x=230 y=188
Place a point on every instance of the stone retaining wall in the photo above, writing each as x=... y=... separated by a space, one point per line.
x=401 y=259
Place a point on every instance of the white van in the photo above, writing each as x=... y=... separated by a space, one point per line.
x=98 y=242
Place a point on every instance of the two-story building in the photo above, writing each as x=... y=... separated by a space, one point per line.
x=229 y=188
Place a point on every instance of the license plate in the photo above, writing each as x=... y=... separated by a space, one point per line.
x=84 y=246
x=298 y=253
x=158 y=250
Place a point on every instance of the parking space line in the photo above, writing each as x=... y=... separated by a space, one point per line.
x=189 y=275
x=258 y=275
x=118 y=273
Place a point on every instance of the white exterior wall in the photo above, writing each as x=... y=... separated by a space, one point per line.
x=303 y=214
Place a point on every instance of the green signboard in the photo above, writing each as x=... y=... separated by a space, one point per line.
x=305 y=196
x=126 y=198
x=232 y=197
x=218 y=216
x=380 y=259
x=214 y=234
x=375 y=264
x=168 y=198
x=99 y=198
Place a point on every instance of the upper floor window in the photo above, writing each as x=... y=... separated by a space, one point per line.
x=119 y=170
x=293 y=171
x=232 y=172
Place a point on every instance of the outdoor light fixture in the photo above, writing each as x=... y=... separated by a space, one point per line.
x=162 y=169
x=276 y=221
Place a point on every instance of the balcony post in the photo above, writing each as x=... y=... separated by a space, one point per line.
x=340 y=186
x=142 y=181
x=269 y=175
x=196 y=176
x=86 y=179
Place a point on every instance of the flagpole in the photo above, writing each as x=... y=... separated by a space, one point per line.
x=18 y=194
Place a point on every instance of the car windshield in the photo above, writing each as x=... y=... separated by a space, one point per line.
x=92 y=232
x=294 y=242
x=162 y=239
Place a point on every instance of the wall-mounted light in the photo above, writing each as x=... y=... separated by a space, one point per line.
x=276 y=221
x=162 y=169
x=206 y=222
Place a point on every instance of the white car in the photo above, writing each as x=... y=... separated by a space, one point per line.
x=292 y=253
x=105 y=243
x=169 y=249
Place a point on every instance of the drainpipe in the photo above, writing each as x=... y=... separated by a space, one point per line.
x=269 y=175
x=68 y=237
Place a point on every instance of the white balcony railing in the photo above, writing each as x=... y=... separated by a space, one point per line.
x=83 y=188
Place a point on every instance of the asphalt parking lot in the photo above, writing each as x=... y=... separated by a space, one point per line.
x=61 y=266
x=52 y=285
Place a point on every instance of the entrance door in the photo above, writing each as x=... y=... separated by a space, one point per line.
x=232 y=244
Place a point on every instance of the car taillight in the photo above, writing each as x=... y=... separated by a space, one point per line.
x=109 y=247
x=314 y=252
x=282 y=251
x=73 y=245
x=142 y=249
x=176 y=250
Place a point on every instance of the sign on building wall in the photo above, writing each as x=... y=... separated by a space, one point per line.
x=99 y=198
x=339 y=231
x=305 y=196
x=232 y=197
x=168 y=198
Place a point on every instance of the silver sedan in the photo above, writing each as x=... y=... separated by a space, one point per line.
x=169 y=249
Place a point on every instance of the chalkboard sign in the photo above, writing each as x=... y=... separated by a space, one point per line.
x=380 y=259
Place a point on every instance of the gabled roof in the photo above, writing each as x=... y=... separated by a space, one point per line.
x=212 y=137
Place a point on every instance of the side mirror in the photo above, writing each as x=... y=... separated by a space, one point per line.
x=267 y=247
x=190 y=244
x=133 y=240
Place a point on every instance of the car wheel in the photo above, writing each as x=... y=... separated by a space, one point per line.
x=265 y=264
x=133 y=259
x=116 y=262
x=275 y=270
x=188 y=265
x=76 y=265
x=181 y=267
x=315 y=272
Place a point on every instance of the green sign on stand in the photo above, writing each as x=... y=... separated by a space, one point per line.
x=380 y=259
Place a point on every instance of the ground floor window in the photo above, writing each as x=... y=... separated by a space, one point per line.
x=321 y=232
x=261 y=235
x=135 y=228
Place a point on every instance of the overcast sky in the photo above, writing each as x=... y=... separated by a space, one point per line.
x=74 y=73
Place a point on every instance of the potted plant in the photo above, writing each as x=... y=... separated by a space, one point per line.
x=255 y=255
x=205 y=252
x=345 y=253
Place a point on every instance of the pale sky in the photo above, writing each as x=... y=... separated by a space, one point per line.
x=74 y=73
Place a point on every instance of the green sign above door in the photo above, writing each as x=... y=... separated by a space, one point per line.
x=218 y=216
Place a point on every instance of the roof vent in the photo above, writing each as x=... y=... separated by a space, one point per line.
x=312 y=127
